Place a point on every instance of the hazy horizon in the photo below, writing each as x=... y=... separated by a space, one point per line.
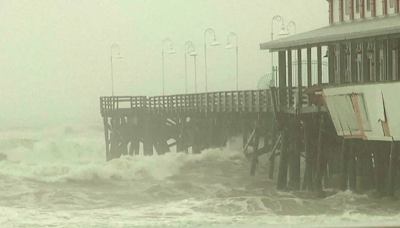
x=55 y=58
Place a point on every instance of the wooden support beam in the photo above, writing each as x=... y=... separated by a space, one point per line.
x=365 y=63
x=321 y=163
x=274 y=132
x=282 y=78
x=254 y=157
x=308 y=176
x=351 y=166
x=377 y=61
x=393 y=167
x=147 y=140
x=389 y=58
x=249 y=141
x=343 y=166
x=290 y=77
x=299 y=80
x=283 y=164
x=342 y=59
x=331 y=66
x=106 y=137
x=353 y=64
x=319 y=65
x=309 y=71
x=294 y=180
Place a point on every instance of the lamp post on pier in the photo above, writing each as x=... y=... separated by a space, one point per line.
x=170 y=52
x=229 y=46
x=291 y=24
x=113 y=46
x=214 y=43
x=282 y=32
x=191 y=51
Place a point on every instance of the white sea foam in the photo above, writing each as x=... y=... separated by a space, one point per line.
x=58 y=177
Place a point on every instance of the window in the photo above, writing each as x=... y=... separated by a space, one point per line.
x=347 y=6
x=391 y=3
x=357 y=6
x=368 y=5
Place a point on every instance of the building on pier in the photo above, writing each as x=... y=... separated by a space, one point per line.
x=355 y=110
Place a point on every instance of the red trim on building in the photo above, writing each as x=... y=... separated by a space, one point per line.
x=362 y=8
x=373 y=8
x=340 y=10
x=384 y=7
x=330 y=11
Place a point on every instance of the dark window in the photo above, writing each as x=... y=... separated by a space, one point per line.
x=357 y=6
x=368 y=5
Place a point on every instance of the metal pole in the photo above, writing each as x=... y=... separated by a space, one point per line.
x=195 y=76
x=186 y=72
x=205 y=60
x=112 y=76
x=237 y=67
x=163 y=75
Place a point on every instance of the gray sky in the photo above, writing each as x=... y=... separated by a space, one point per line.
x=55 y=55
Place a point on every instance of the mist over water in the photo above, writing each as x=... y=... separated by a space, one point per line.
x=58 y=177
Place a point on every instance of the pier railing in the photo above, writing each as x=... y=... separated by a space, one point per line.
x=227 y=101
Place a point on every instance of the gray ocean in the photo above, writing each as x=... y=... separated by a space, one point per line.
x=57 y=177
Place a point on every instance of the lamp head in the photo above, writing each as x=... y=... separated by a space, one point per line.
x=283 y=32
x=171 y=50
x=192 y=53
x=229 y=45
x=215 y=42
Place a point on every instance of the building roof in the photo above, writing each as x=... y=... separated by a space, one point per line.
x=370 y=27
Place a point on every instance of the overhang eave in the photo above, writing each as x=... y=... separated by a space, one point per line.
x=365 y=29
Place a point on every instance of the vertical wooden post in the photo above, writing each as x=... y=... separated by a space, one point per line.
x=282 y=78
x=353 y=76
x=309 y=72
x=394 y=156
x=308 y=176
x=389 y=59
x=106 y=137
x=290 y=77
x=352 y=9
x=377 y=58
x=331 y=67
x=299 y=80
x=274 y=132
x=379 y=159
x=341 y=10
x=147 y=141
x=365 y=63
x=362 y=8
x=321 y=164
x=342 y=59
x=254 y=159
x=373 y=8
x=384 y=7
x=330 y=11
x=283 y=164
x=351 y=166
x=294 y=181
x=319 y=65
x=343 y=166
x=245 y=132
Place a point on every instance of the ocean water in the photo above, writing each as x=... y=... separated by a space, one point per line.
x=58 y=177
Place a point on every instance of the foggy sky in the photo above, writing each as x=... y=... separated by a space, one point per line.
x=55 y=55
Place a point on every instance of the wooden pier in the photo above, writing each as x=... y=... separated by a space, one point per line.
x=324 y=112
